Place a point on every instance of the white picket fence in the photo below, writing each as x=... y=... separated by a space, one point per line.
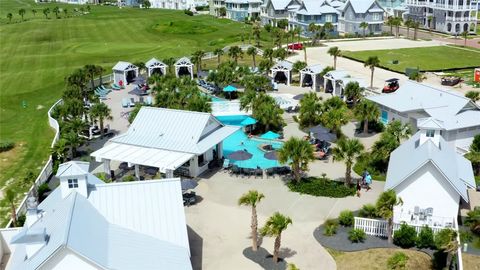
x=105 y=79
x=377 y=227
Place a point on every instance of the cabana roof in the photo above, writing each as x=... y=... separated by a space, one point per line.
x=313 y=70
x=154 y=62
x=124 y=66
x=184 y=61
x=361 y=82
x=337 y=75
x=282 y=66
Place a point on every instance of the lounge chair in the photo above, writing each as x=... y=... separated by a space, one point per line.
x=148 y=100
x=270 y=172
x=125 y=103
x=226 y=164
x=235 y=170
x=132 y=102
x=259 y=172
x=115 y=86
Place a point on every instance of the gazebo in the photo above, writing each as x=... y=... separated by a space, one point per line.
x=155 y=66
x=282 y=72
x=125 y=72
x=310 y=76
x=332 y=81
x=184 y=67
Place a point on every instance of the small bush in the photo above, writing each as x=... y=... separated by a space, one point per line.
x=368 y=211
x=357 y=235
x=20 y=220
x=425 y=238
x=398 y=261
x=330 y=227
x=42 y=190
x=188 y=12
x=128 y=178
x=405 y=237
x=6 y=145
x=466 y=236
x=322 y=187
x=346 y=218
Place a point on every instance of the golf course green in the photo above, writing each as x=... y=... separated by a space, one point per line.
x=36 y=54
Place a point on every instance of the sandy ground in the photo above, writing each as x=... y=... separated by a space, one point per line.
x=224 y=227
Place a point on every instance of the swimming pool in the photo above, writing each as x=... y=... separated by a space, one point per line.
x=240 y=141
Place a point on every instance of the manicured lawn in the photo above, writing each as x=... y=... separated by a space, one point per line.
x=427 y=59
x=377 y=259
x=37 y=54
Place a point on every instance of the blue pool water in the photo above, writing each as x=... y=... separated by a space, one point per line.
x=234 y=143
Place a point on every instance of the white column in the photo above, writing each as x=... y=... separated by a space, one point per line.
x=137 y=171
x=334 y=84
x=314 y=82
x=106 y=166
x=191 y=71
x=324 y=84
x=194 y=166
x=168 y=173
x=301 y=79
x=289 y=77
x=220 y=150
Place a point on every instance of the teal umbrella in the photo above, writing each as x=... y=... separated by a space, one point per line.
x=270 y=135
x=248 y=121
x=229 y=88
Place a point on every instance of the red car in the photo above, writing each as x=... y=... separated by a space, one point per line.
x=295 y=46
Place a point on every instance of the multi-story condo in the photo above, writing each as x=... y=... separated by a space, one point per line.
x=274 y=10
x=215 y=6
x=239 y=10
x=448 y=16
x=314 y=11
x=172 y=4
x=357 y=11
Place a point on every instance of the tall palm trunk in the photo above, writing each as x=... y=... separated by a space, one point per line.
x=296 y=172
x=408 y=32
x=415 y=33
x=92 y=81
x=305 y=54
x=390 y=230
x=334 y=62
x=218 y=59
x=101 y=127
x=348 y=174
x=254 y=229
x=276 y=248
x=371 y=77
x=14 y=213
x=254 y=62
x=365 y=126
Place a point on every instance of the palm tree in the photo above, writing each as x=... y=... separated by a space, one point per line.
x=274 y=227
x=91 y=71
x=298 y=153
x=197 y=58
x=99 y=70
x=218 y=52
x=385 y=203
x=265 y=65
x=367 y=111
x=256 y=30
x=268 y=53
x=73 y=141
x=56 y=10
x=9 y=17
x=335 y=52
x=170 y=62
x=46 y=11
x=465 y=36
x=473 y=95
x=304 y=53
x=10 y=196
x=59 y=149
x=252 y=198
x=313 y=28
x=409 y=24
x=252 y=51
x=399 y=130
x=34 y=11
x=101 y=112
x=390 y=22
x=21 y=12
x=446 y=240
x=310 y=110
x=353 y=91
x=397 y=21
x=416 y=25
x=327 y=28
x=348 y=150
x=298 y=65
x=280 y=53
x=268 y=113
x=298 y=31
x=430 y=20
x=65 y=12
x=372 y=62
x=140 y=65
x=364 y=26
x=235 y=52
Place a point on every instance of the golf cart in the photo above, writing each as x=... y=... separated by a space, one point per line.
x=391 y=85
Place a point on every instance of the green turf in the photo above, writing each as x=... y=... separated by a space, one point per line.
x=37 y=54
x=427 y=58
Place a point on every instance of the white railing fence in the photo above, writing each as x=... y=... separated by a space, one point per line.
x=244 y=48
x=47 y=170
x=104 y=79
x=377 y=227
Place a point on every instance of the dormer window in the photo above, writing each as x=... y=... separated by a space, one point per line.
x=72 y=183
x=430 y=133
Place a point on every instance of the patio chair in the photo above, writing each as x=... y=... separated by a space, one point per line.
x=259 y=172
x=270 y=172
x=235 y=170
x=148 y=100
x=226 y=164
x=141 y=101
x=132 y=102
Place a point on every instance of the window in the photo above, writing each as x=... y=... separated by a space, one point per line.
x=328 y=18
x=376 y=17
x=430 y=133
x=72 y=183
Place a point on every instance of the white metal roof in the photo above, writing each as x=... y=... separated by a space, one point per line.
x=337 y=75
x=72 y=168
x=124 y=66
x=314 y=69
x=315 y=7
x=410 y=157
x=361 y=82
x=362 y=6
x=158 y=158
x=283 y=66
x=154 y=62
x=184 y=61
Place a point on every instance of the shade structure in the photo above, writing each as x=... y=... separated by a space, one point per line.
x=240 y=155
x=248 y=121
x=329 y=137
x=272 y=155
x=270 y=135
x=319 y=129
x=188 y=184
x=139 y=92
x=139 y=80
x=299 y=96
x=229 y=88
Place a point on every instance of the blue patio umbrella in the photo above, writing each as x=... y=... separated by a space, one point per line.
x=229 y=88
x=270 y=135
x=248 y=121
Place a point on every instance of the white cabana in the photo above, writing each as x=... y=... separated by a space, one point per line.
x=155 y=66
x=310 y=76
x=184 y=67
x=343 y=83
x=282 y=72
x=332 y=81
x=125 y=72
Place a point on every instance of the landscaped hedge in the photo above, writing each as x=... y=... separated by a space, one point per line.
x=323 y=187
x=6 y=145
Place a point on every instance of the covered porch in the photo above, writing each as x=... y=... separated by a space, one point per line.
x=282 y=72
x=184 y=67
x=124 y=72
x=310 y=77
x=332 y=81
x=155 y=66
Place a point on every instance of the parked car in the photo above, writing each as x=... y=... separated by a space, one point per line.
x=296 y=46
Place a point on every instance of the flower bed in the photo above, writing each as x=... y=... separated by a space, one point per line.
x=323 y=187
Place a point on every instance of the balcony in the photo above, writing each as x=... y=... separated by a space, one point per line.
x=461 y=19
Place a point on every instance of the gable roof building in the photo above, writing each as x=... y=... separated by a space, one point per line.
x=354 y=12
x=134 y=225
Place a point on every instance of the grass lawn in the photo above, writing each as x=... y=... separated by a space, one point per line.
x=427 y=58
x=37 y=54
x=373 y=259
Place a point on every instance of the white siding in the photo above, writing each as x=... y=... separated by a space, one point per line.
x=424 y=188
x=65 y=259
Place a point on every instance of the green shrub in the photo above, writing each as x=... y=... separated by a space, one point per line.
x=6 y=145
x=322 y=187
x=42 y=190
x=466 y=236
x=128 y=178
x=357 y=235
x=188 y=12
x=405 y=237
x=425 y=238
x=346 y=218
x=368 y=211
x=104 y=177
x=398 y=261
x=20 y=220
x=330 y=227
